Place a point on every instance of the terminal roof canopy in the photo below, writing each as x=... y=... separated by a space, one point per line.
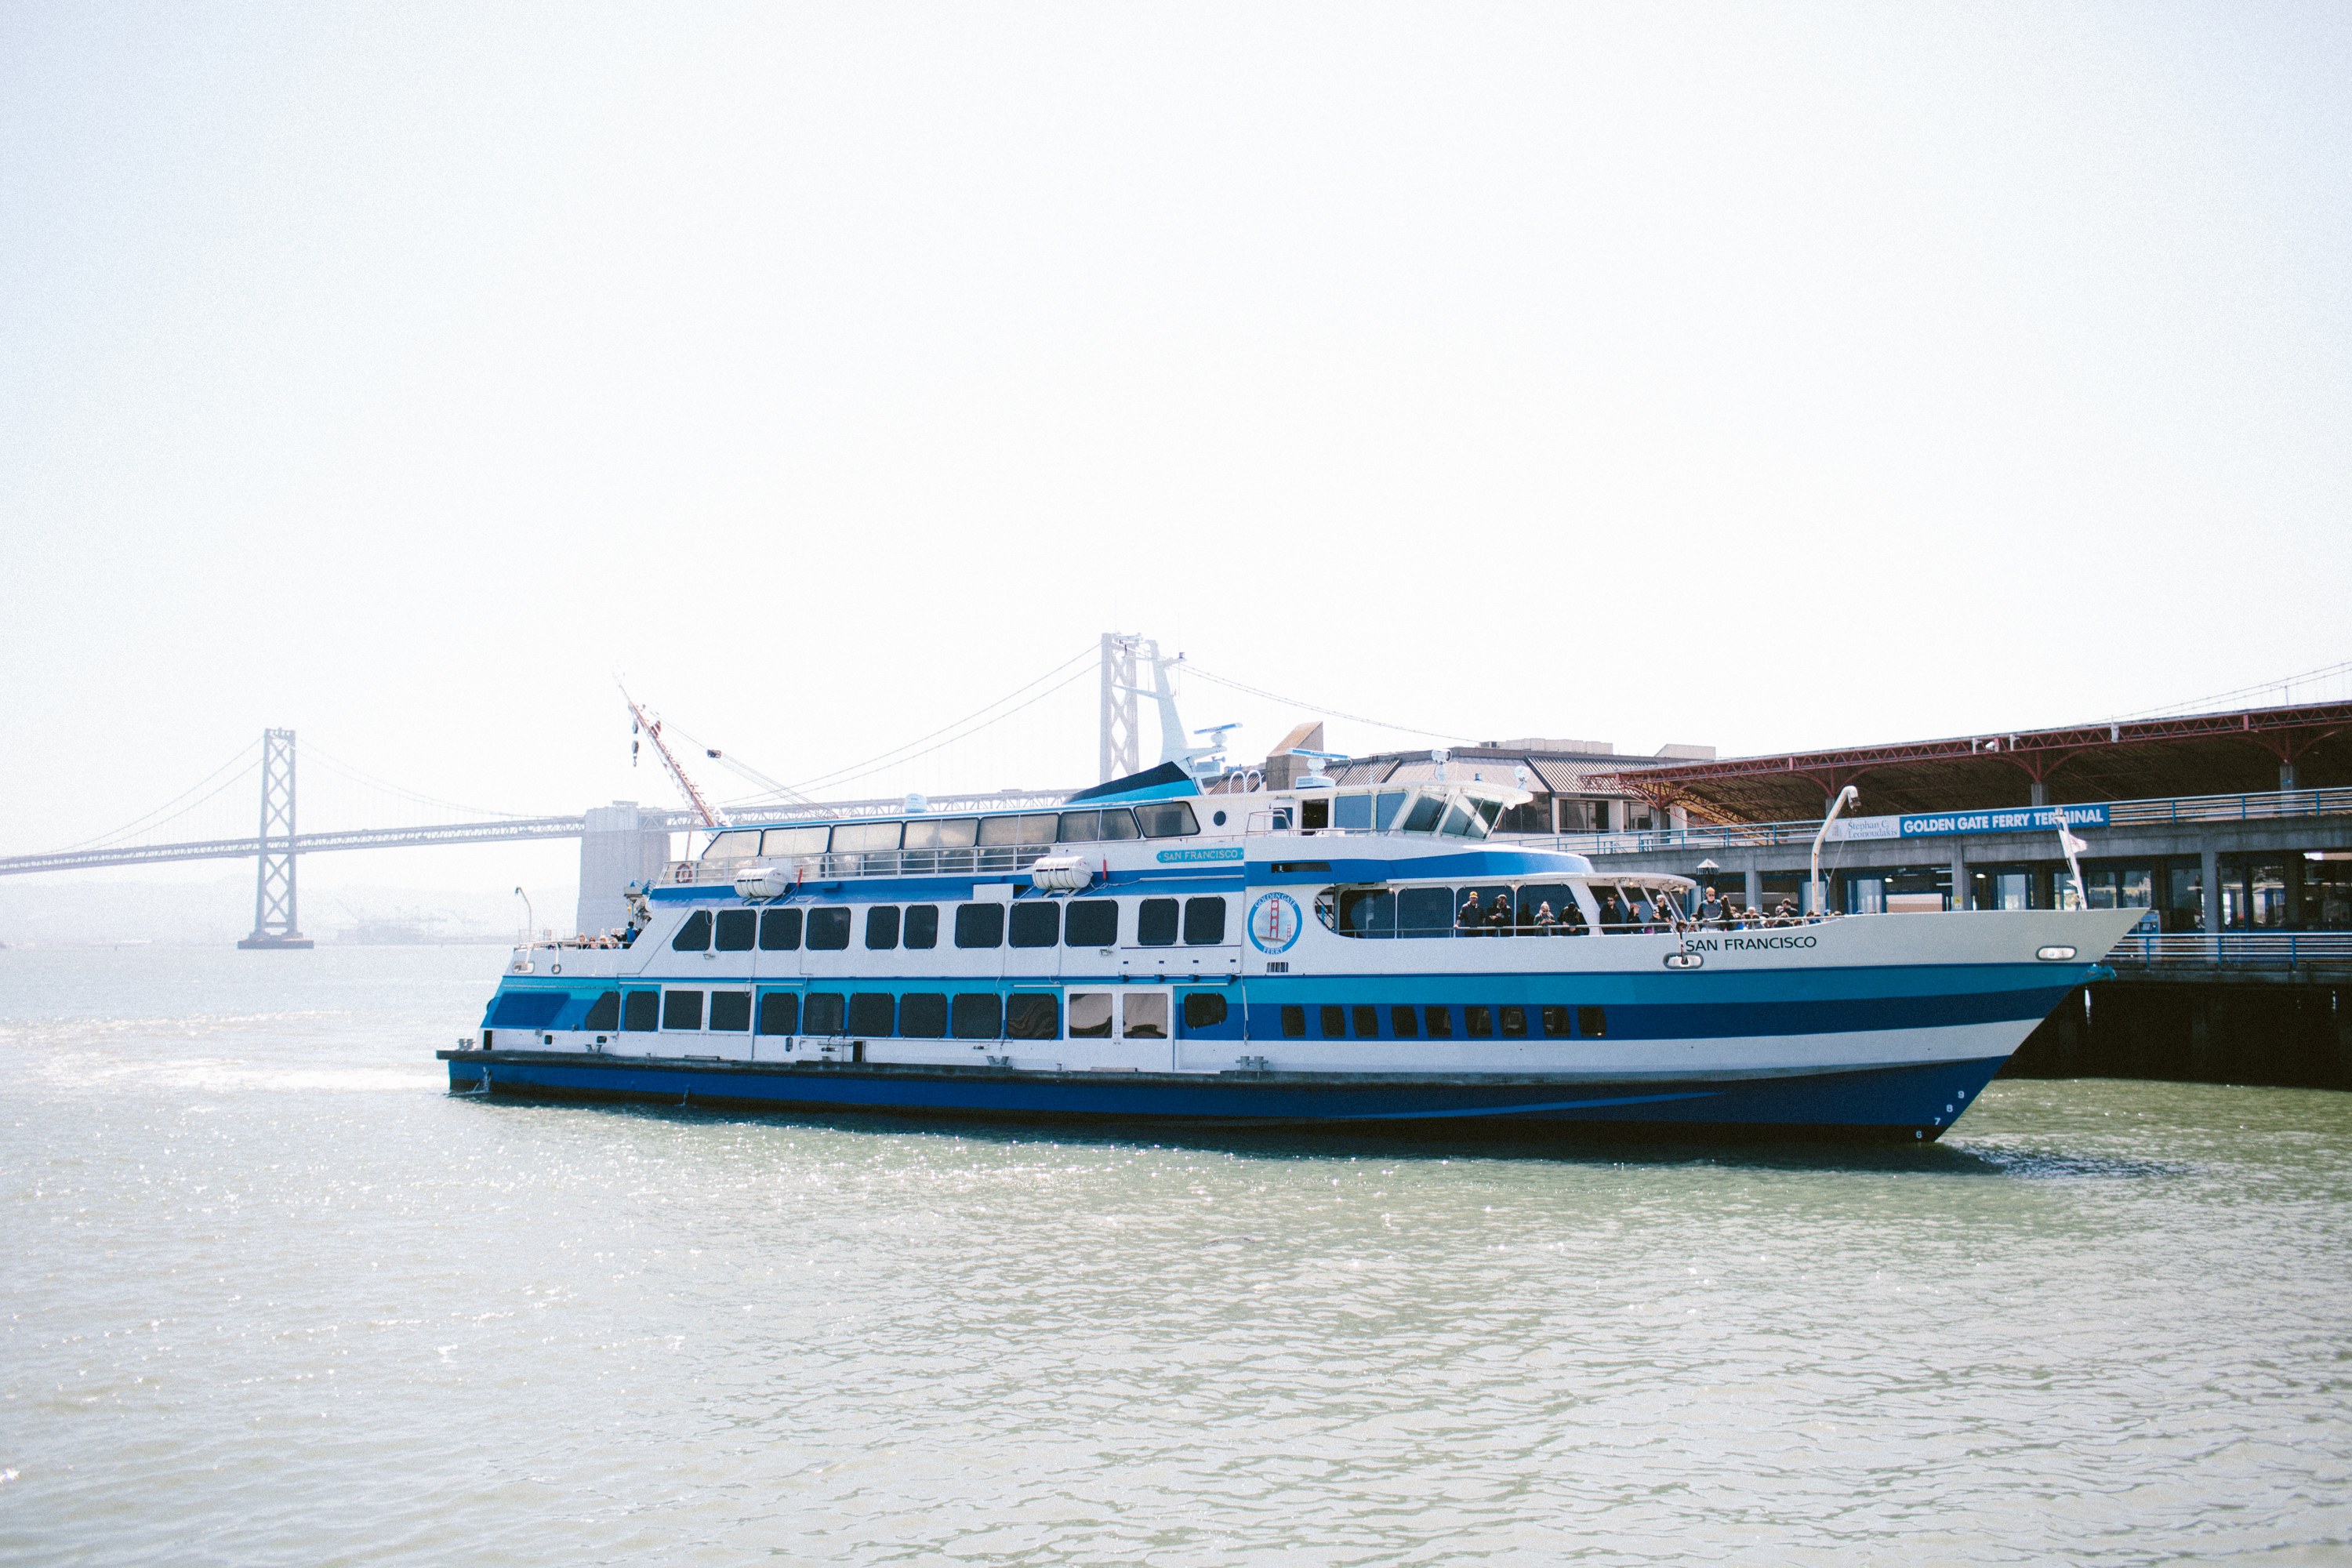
x=2151 y=759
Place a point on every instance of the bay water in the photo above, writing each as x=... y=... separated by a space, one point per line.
x=271 y=1295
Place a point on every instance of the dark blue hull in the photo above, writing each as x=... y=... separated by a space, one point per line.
x=1906 y=1103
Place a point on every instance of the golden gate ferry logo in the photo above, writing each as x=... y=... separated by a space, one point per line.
x=1274 y=923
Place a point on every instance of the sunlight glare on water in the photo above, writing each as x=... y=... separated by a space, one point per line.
x=273 y=1296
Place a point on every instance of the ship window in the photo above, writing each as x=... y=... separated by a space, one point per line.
x=828 y=929
x=1555 y=1023
x=1334 y=1020
x=1155 y=923
x=779 y=1012
x=782 y=841
x=1294 y=1023
x=1033 y=1016
x=681 y=1009
x=1405 y=1022
x=527 y=1009
x=780 y=931
x=1314 y=814
x=978 y=1016
x=738 y=929
x=923 y=1014
x=1036 y=925
x=1091 y=923
x=1562 y=899
x=1484 y=822
x=1204 y=922
x=641 y=1011
x=738 y=845
x=1457 y=822
x=870 y=1012
x=1514 y=1023
x=821 y=1013
x=1352 y=811
x=1592 y=1023
x=1168 y=819
x=1144 y=1015
x=1118 y=823
x=980 y=925
x=1369 y=913
x=731 y=1009
x=1440 y=1021
x=1368 y=1022
x=881 y=928
x=694 y=936
x=1424 y=912
x=1204 y=1010
x=1079 y=827
x=864 y=836
x=1388 y=804
x=923 y=928
x=604 y=1014
x=1423 y=815
x=1090 y=1015
x=1477 y=1022
x=1001 y=830
x=943 y=833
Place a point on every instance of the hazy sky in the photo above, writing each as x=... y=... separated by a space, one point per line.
x=1755 y=375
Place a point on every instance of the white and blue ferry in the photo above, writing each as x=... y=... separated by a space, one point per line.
x=1156 y=949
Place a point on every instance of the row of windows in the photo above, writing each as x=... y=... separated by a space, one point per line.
x=1161 y=819
x=1479 y=1022
x=1090 y=923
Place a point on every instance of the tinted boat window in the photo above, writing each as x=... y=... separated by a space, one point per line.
x=1403 y=1023
x=980 y=925
x=527 y=1009
x=828 y=929
x=779 y=1012
x=1423 y=815
x=871 y=1011
x=604 y=1013
x=779 y=842
x=736 y=845
x=1155 y=922
x=922 y=927
x=1334 y=1021
x=731 y=1009
x=737 y=930
x=1457 y=822
x=1514 y=1023
x=780 y=931
x=1118 y=823
x=999 y=830
x=1384 y=812
x=1080 y=827
x=694 y=936
x=1090 y=1015
x=943 y=833
x=1353 y=811
x=1369 y=913
x=1294 y=1023
x=1204 y=1010
x=978 y=1016
x=1479 y=1023
x=1092 y=922
x=1204 y=922
x=881 y=927
x=1036 y=925
x=1168 y=819
x=643 y=1012
x=1368 y=1022
x=1424 y=912
x=821 y=1013
x=1031 y=1016
x=1592 y=1023
x=1555 y=1023
x=864 y=836
x=681 y=1009
x=923 y=1014
x=1440 y=1021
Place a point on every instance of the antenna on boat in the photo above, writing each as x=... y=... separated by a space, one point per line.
x=1845 y=797
x=711 y=819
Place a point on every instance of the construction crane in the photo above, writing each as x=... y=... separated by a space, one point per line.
x=712 y=819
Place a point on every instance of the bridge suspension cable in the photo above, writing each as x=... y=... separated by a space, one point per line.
x=313 y=752
x=246 y=760
x=1318 y=708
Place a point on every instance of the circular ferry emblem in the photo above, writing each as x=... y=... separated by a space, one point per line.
x=1274 y=923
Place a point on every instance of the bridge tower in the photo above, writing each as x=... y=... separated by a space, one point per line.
x=273 y=890
x=1121 y=751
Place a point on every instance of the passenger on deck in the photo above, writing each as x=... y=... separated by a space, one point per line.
x=1784 y=913
x=1612 y=914
x=1471 y=921
x=1710 y=911
x=1498 y=917
x=1546 y=924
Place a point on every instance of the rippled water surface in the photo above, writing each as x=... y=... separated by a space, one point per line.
x=271 y=1296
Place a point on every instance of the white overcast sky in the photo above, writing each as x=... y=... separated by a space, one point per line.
x=1765 y=376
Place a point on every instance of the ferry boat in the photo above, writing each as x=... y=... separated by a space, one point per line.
x=1161 y=950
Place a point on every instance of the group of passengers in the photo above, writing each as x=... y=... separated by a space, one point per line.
x=1649 y=912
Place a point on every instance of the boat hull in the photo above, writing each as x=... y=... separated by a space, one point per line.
x=1909 y=1103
